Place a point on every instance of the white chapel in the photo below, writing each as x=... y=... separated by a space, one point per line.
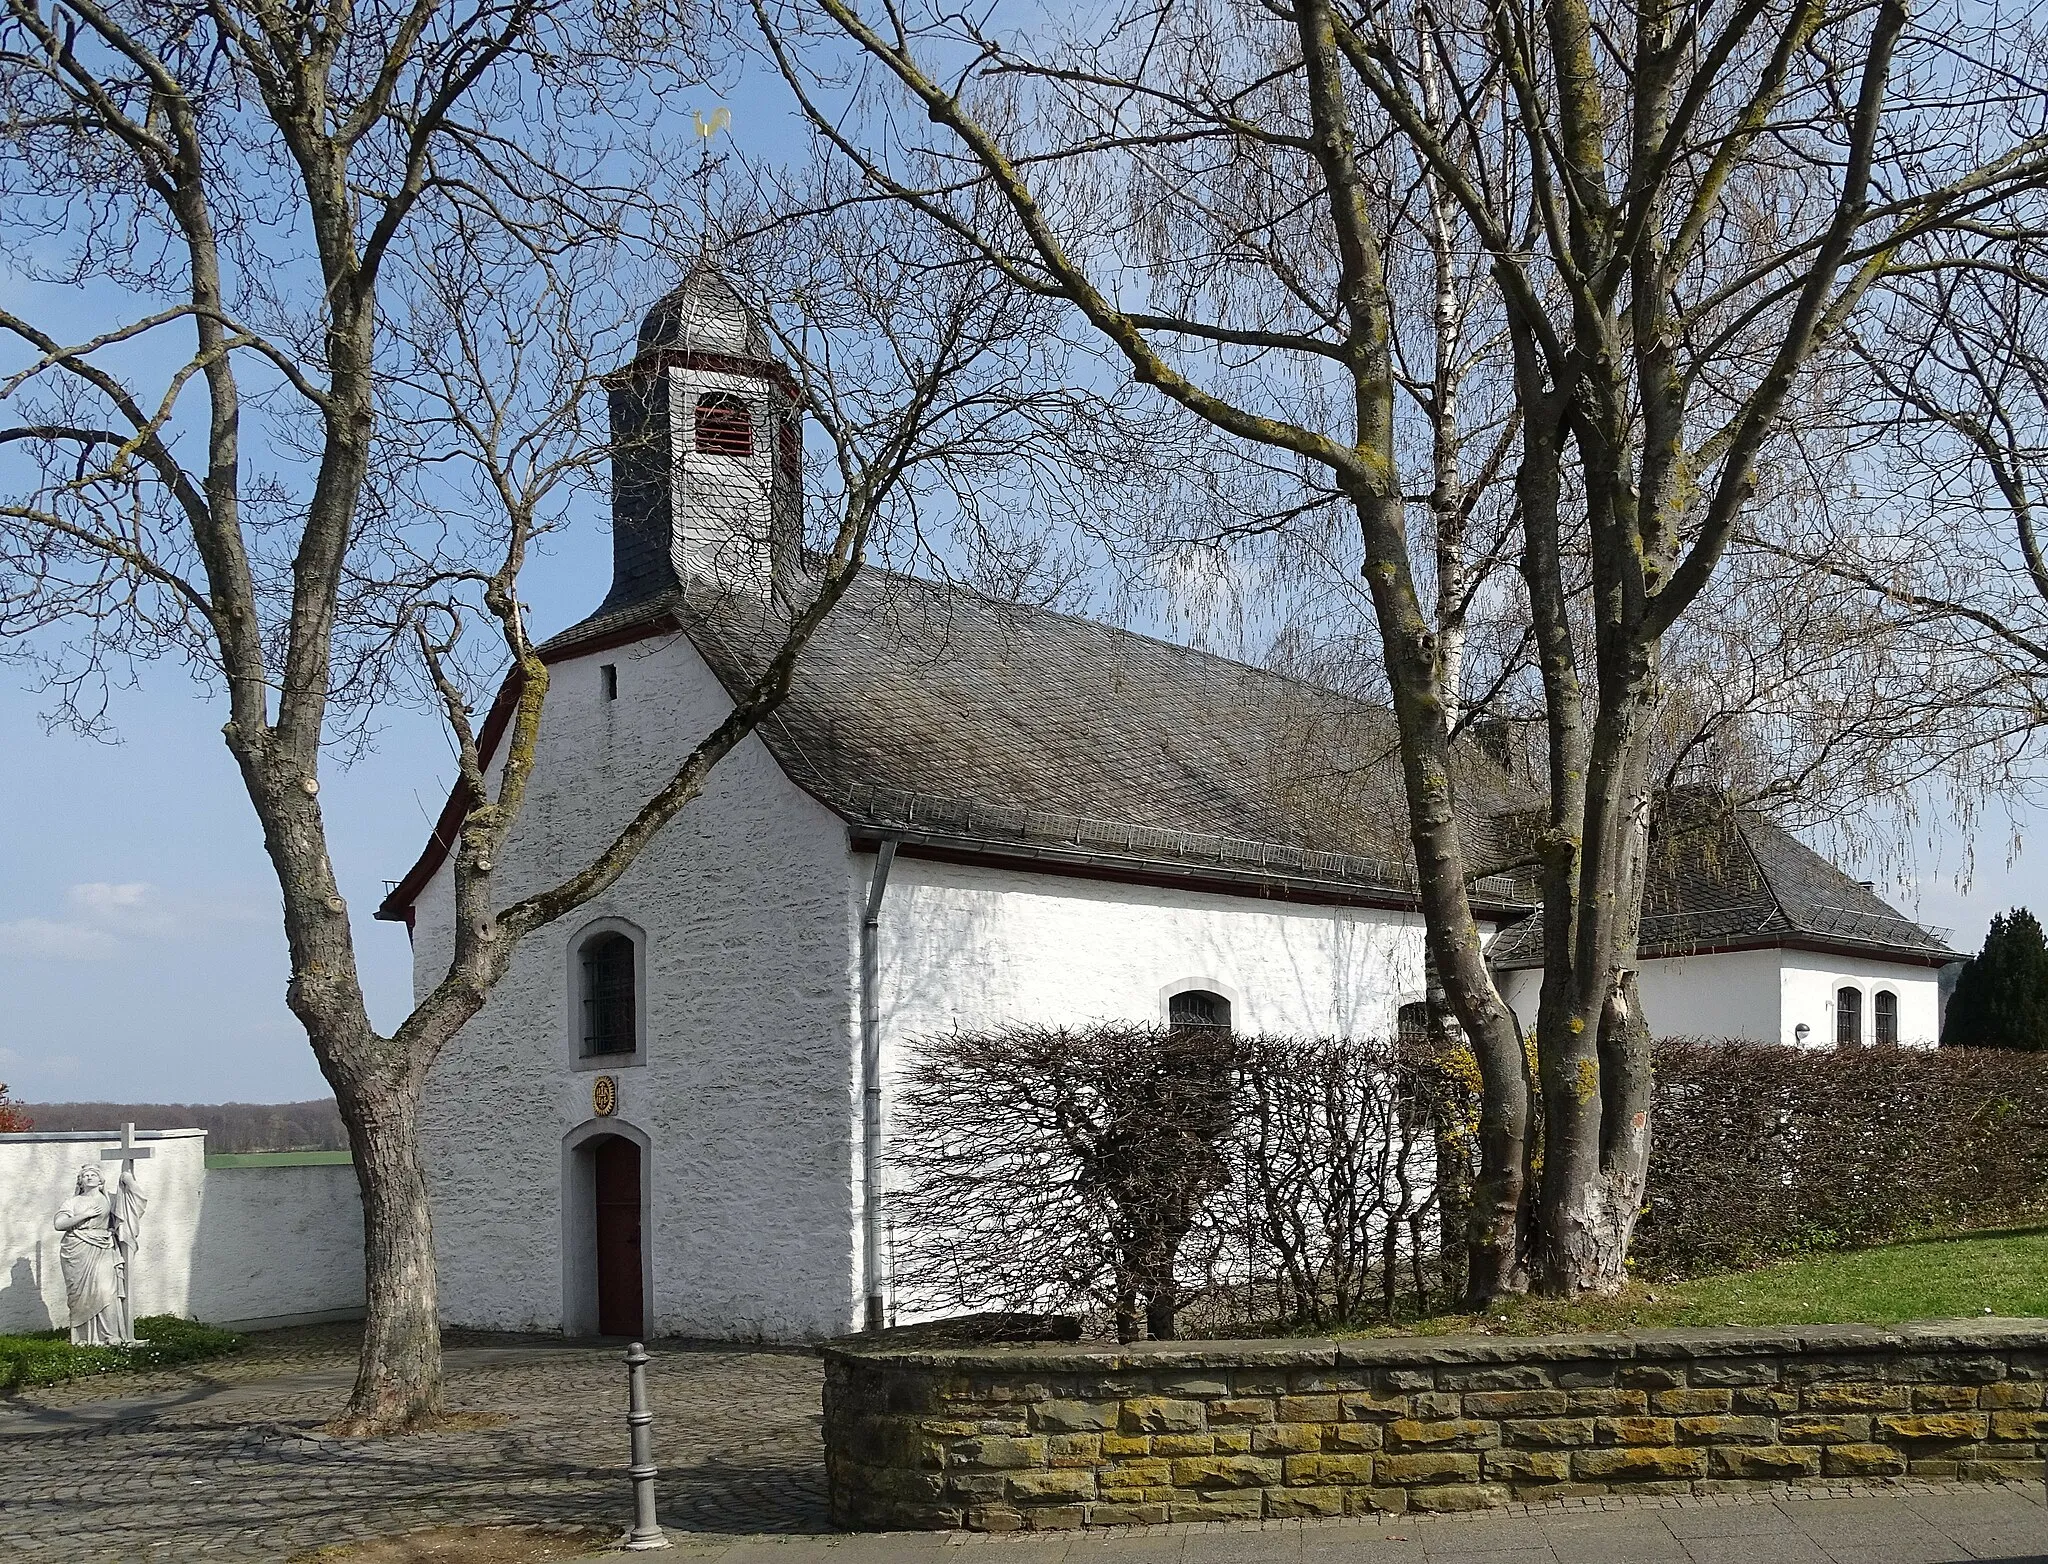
x=672 y=1117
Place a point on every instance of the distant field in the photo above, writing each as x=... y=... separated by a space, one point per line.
x=229 y=1126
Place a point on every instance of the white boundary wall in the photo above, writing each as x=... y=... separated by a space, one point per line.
x=236 y=1246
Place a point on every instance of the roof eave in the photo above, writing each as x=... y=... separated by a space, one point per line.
x=1092 y=863
x=1904 y=955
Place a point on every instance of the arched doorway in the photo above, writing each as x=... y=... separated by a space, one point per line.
x=615 y=1182
x=607 y=1239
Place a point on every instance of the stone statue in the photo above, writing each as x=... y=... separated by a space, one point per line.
x=101 y=1233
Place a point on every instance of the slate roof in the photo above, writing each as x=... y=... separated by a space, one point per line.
x=935 y=713
x=1722 y=879
x=954 y=721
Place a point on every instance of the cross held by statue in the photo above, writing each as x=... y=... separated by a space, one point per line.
x=127 y=1151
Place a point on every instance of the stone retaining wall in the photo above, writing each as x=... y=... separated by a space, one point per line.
x=1041 y=1436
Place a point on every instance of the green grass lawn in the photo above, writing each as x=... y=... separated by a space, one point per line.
x=47 y=1357
x=2004 y=1271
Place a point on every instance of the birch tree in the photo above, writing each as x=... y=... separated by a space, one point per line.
x=1681 y=205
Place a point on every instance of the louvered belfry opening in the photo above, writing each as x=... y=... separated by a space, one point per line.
x=610 y=1024
x=725 y=425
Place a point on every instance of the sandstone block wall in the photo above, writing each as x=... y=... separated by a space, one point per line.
x=998 y=1439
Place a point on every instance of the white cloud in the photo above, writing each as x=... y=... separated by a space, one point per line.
x=47 y=939
x=101 y=917
x=135 y=908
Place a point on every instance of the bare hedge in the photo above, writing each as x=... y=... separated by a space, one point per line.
x=1143 y=1172
x=1762 y=1151
x=1193 y=1179
x=1046 y=1168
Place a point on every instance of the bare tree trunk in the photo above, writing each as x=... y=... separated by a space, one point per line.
x=398 y=1375
x=1494 y=1264
x=1594 y=1057
x=1161 y=1308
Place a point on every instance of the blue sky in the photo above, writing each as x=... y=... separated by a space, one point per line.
x=141 y=957
x=140 y=953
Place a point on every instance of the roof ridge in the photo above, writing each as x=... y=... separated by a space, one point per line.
x=1001 y=604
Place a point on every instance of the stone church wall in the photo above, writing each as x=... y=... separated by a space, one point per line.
x=747 y=1096
x=1049 y=1437
x=238 y=1246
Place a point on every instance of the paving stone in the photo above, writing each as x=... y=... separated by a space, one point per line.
x=1779 y=1549
x=224 y=1460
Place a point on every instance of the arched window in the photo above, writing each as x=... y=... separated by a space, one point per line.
x=1884 y=1016
x=1198 y=1007
x=1411 y=1024
x=725 y=425
x=610 y=996
x=1848 y=1018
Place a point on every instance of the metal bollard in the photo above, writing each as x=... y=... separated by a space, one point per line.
x=646 y=1532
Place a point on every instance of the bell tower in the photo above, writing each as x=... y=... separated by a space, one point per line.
x=706 y=450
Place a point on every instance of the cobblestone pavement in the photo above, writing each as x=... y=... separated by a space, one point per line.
x=1913 y=1523
x=224 y=1460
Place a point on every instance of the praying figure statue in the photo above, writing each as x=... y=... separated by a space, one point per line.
x=101 y=1232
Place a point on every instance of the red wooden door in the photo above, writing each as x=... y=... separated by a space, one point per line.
x=617 y=1169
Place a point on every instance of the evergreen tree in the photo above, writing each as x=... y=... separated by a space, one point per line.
x=2001 y=997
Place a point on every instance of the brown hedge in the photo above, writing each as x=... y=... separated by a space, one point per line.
x=1762 y=1151
x=1244 y=1182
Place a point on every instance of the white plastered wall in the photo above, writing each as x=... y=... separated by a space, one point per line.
x=230 y=1246
x=1728 y=994
x=278 y=1245
x=747 y=1097
x=1763 y=995
x=972 y=947
x=721 y=500
x=1811 y=980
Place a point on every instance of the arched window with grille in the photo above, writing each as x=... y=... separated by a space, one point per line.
x=725 y=424
x=1848 y=1018
x=1884 y=1017
x=611 y=994
x=1411 y=1024
x=1198 y=1007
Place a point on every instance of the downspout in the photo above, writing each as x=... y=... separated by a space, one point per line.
x=871 y=1089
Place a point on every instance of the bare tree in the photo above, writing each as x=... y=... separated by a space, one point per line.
x=356 y=265
x=1681 y=207
x=1946 y=542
